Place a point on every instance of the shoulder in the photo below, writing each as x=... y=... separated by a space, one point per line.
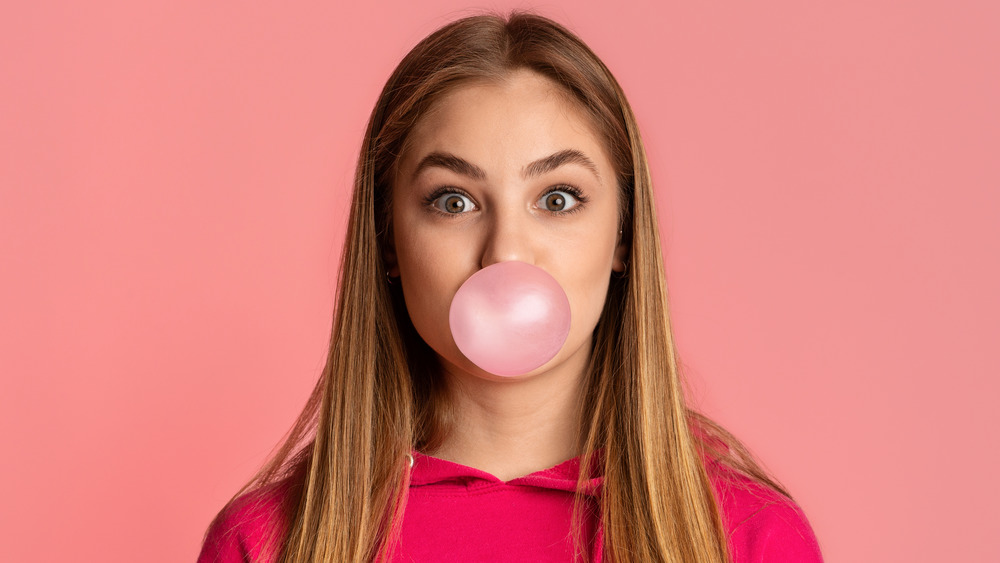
x=763 y=524
x=249 y=528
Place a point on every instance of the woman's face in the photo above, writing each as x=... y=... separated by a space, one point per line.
x=510 y=170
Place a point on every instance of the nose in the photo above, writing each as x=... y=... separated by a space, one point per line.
x=508 y=238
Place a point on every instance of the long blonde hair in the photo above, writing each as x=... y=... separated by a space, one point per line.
x=379 y=397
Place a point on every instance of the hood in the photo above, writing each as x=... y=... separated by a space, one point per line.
x=429 y=470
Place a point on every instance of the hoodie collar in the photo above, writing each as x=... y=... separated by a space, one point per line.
x=429 y=470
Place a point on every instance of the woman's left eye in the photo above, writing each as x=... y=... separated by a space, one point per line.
x=559 y=200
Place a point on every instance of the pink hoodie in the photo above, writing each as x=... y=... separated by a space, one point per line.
x=458 y=513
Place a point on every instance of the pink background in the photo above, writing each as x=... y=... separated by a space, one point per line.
x=174 y=178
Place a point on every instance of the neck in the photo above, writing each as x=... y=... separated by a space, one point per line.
x=511 y=428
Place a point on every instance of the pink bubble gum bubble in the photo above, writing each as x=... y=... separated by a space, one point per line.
x=510 y=318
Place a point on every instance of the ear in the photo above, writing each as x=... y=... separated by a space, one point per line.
x=620 y=259
x=389 y=255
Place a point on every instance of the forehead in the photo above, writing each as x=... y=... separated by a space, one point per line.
x=519 y=117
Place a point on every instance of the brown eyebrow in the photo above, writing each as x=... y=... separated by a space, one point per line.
x=553 y=161
x=450 y=162
x=537 y=168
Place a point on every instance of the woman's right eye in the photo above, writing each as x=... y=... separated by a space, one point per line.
x=453 y=203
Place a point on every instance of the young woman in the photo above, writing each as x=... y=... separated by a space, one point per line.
x=501 y=142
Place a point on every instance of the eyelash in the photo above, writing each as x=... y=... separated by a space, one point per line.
x=581 y=200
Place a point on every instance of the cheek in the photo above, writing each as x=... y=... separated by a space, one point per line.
x=428 y=261
x=430 y=274
x=588 y=283
x=593 y=294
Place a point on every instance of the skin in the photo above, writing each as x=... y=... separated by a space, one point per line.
x=450 y=219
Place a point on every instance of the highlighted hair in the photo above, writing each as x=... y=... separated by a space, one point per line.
x=378 y=397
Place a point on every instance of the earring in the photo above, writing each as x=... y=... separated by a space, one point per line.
x=388 y=279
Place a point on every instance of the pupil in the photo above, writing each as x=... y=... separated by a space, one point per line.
x=556 y=202
x=455 y=204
